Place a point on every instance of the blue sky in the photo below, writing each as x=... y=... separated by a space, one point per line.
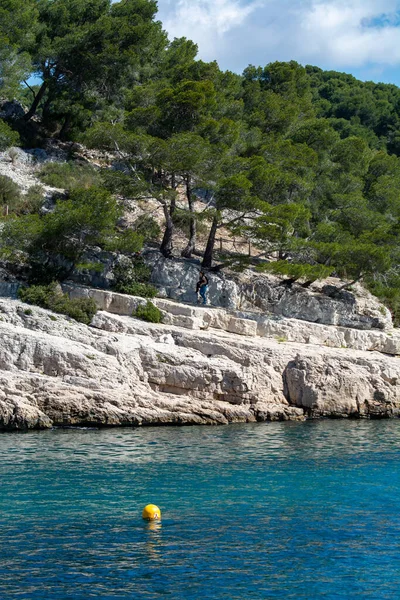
x=361 y=37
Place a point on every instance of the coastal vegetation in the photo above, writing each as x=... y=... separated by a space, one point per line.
x=304 y=163
x=148 y=312
x=51 y=297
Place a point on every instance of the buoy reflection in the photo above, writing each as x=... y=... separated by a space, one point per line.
x=154 y=542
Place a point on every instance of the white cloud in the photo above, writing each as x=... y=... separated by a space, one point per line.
x=339 y=34
x=351 y=33
x=204 y=21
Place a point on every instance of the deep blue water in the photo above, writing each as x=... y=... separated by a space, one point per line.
x=286 y=510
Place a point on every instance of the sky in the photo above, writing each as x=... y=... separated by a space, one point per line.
x=361 y=37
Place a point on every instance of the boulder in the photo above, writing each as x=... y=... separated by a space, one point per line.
x=11 y=110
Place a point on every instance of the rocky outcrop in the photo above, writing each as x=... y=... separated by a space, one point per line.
x=11 y=110
x=323 y=303
x=23 y=167
x=124 y=372
x=244 y=323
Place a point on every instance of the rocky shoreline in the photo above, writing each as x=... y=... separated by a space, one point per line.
x=123 y=372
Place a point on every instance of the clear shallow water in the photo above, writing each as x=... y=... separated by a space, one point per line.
x=287 y=510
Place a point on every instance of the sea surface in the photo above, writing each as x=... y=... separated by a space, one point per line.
x=276 y=510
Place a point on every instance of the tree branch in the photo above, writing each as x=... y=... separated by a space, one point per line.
x=29 y=87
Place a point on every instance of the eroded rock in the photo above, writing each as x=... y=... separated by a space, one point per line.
x=124 y=372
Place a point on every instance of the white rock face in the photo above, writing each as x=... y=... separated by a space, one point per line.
x=23 y=170
x=321 y=303
x=124 y=372
x=249 y=324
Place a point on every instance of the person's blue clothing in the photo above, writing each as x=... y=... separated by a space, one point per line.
x=203 y=293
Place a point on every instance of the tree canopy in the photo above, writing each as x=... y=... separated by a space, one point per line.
x=302 y=162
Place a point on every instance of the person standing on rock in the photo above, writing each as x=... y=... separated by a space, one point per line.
x=202 y=287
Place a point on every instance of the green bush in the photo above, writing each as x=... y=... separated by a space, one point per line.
x=148 y=227
x=134 y=279
x=117 y=182
x=33 y=199
x=145 y=290
x=31 y=202
x=51 y=297
x=52 y=244
x=95 y=267
x=388 y=292
x=148 y=312
x=127 y=242
x=69 y=175
x=8 y=137
x=10 y=194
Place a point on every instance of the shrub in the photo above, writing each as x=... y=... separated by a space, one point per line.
x=95 y=267
x=34 y=199
x=134 y=279
x=51 y=297
x=145 y=290
x=10 y=194
x=148 y=227
x=117 y=182
x=127 y=242
x=69 y=175
x=8 y=137
x=54 y=243
x=386 y=287
x=31 y=202
x=148 y=312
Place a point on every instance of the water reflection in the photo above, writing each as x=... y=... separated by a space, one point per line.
x=153 y=543
x=266 y=441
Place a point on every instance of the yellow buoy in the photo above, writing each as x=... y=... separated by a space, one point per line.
x=151 y=512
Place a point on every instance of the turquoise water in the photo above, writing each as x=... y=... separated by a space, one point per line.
x=286 y=510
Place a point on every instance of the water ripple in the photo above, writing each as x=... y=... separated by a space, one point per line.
x=283 y=510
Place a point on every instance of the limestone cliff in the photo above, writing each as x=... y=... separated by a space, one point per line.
x=121 y=371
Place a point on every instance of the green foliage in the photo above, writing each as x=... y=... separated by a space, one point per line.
x=182 y=219
x=120 y=183
x=69 y=175
x=133 y=279
x=387 y=288
x=52 y=298
x=18 y=237
x=127 y=242
x=148 y=312
x=55 y=242
x=8 y=137
x=90 y=266
x=10 y=194
x=84 y=52
x=144 y=290
x=31 y=202
x=293 y=159
x=18 y=203
x=34 y=198
x=147 y=226
x=296 y=271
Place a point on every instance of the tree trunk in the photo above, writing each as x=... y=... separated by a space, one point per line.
x=208 y=254
x=36 y=102
x=65 y=128
x=166 y=244
x=190 y=248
